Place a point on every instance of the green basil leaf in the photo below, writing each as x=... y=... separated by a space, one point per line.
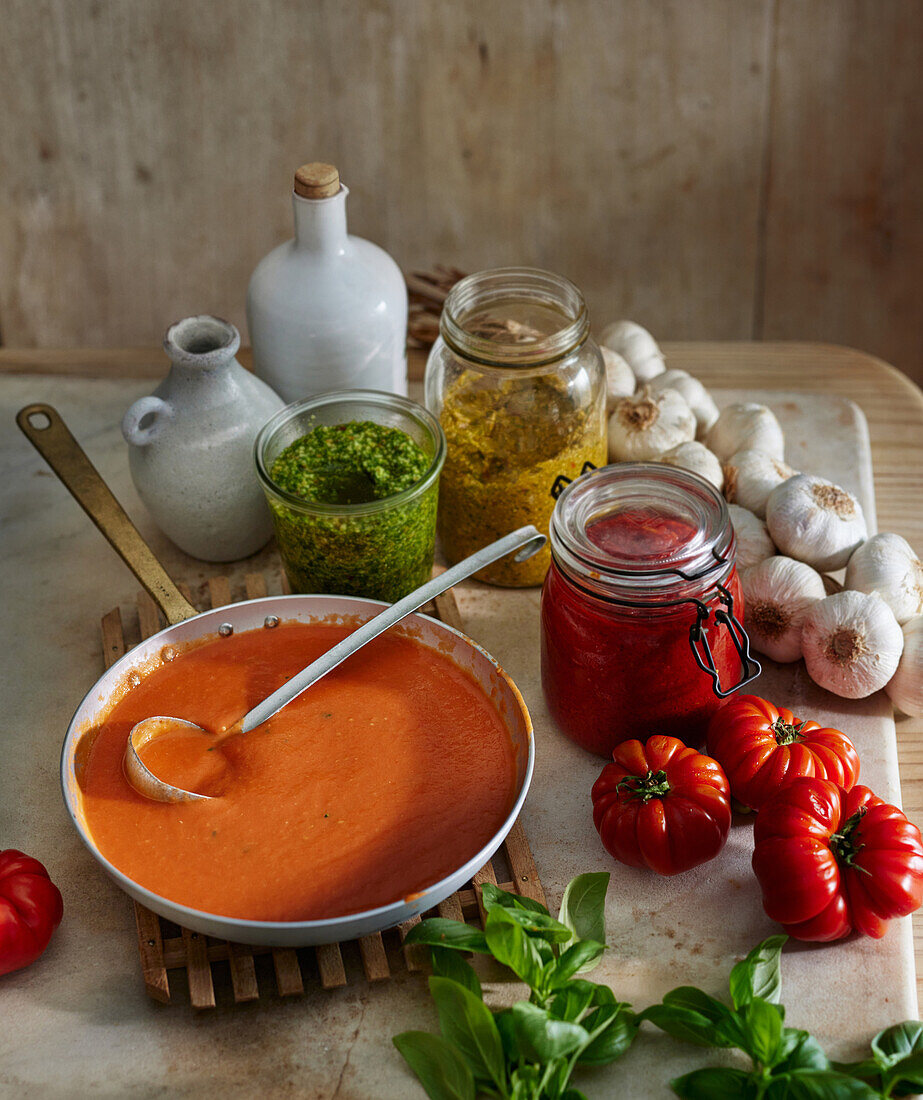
x=525 y=1081
x=441 y=932
x=539 y=924
x=612 y=1029
x=573 y=1094
x=715 y=1084
x=583 y=907
x=818 y=1085
x=761 y=1031
x=904 y=1077
x=442 y=1071
x=509 y=944
x=469 y=1024
x=897 y=1042
x=575 y=960
x=686 y=1024
x=572 y=1000
x=507 y=1029
x=867 y=1070
x=493 y=895
x=800 y=1050
x=759 y=974
x=449 y=964
x=541 y=1037
x=687 y=996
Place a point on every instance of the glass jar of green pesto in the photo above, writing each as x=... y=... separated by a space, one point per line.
x=352 y=481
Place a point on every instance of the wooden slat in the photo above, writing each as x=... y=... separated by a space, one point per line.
x=255 y=586
x=486 y=874
x=374 y=957
x=522 y=865
x=150 y=945
x=198 y=970
x=330 y=965
x=219 y=590
x=414 y=954
x=447 y=606
x=288 y=971
x=113 y=638
x=451 y=908
x=243 y=973
x=149 y=618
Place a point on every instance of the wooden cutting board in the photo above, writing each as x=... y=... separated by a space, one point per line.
x=690 y=929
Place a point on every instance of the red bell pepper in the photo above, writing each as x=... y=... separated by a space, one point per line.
x=30 y=910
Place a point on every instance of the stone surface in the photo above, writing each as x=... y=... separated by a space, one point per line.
x=78 y=1021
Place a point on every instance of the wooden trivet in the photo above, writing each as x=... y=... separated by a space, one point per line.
x=166 y=947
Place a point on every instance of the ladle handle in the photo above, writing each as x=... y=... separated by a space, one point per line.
x=527 y=540
x=48 y=433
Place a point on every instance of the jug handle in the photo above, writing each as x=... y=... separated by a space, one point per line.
x=137 y=435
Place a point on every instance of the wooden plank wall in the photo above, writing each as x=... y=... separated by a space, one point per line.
x=712 y=168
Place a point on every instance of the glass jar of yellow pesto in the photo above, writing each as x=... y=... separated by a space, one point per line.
x=519 y=388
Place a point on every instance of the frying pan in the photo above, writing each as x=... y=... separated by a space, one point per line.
x=49 y=435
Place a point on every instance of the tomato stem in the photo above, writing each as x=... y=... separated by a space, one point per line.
x=646 y=787
x=843 y=844
x=787 y=732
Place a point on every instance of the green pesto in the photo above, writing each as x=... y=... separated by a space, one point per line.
x=381 y=554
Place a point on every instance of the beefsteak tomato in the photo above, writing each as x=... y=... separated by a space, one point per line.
x=30 y=910
x=761 y=747
x=831 y=861
x=661 y=805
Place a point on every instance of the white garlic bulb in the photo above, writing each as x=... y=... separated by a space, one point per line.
x=905 y=688
x=697 y=458
x=620 y=378
x=746 y=426
x=643 y=427
x=815 y=521
x=886 y=564
x=777 y=594
x=750 y=476
x=753 y=542
x=636 y=345
x=696 y=395
x=851 y=643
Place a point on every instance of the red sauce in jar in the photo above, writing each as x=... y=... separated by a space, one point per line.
x=610 y=671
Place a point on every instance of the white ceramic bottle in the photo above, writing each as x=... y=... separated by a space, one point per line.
x=326 y=310
x=190 y=444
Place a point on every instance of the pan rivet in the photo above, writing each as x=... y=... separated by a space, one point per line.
x=168 y=653
x=134 y=679
x=270 y=621
x=225 y=630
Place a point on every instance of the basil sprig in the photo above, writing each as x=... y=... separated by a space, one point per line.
x=529 y=1051
x=788 y=1064
x=896 y=1065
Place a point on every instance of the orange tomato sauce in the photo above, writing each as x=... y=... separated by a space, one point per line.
x=378 y=781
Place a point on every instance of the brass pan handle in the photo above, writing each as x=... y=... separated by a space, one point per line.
x=48 y=433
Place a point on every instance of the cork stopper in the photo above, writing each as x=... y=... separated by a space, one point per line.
x=317 y=181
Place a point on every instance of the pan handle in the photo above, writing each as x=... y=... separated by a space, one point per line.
x=48 y=433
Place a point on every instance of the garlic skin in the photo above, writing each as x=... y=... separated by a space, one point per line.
x=697 y=458
x=750 y=476
x=905 y=688
x=777 y=595
x=636 y=345
x=696 y=396
x=851 y=643
x=749 y=426
x=620 y=378
x=753 y=542
x=643 y=427
x=815 y=521
x=886 y=564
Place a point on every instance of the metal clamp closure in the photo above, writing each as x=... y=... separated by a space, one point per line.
x=701 y=649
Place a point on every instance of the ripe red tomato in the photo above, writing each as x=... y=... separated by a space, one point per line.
x=761 y=747
x=30 y=910
x=831 y=861
x=662 y=805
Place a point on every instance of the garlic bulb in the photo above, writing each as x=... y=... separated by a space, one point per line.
x=815 y=521
x=777 y=594
x=905 y=688
x=851 y=643
x=697 y=397
x=753 y=542
x=697 y=458
x=645 y=426
x=749 y=426
x=636 y=345
x=620 y=378
x=886 y=564
x=750 y=476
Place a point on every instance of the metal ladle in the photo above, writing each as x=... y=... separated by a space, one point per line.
x=527 y=540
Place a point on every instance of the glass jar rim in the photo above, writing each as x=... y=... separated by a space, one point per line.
x=684 y=570
x=524 y=284
x=346 y=398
